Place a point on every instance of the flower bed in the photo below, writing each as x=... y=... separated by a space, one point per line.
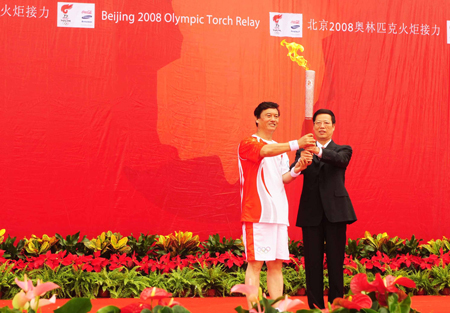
x=116 y=266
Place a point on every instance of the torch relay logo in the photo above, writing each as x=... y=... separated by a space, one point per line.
x=65 y=8
x=75 y=14
x=286 y=24
x=276 y=19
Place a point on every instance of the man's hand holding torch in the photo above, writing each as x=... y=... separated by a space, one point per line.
x=307 y=142
x=303 y=163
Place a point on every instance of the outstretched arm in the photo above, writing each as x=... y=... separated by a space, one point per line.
x=279 y=148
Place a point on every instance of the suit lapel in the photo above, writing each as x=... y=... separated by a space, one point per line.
x=331 y=145
x=315 y=159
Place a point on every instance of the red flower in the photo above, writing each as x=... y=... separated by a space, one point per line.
x=445 y=257
x=383 y=287
x=229 y=259
x=154 y=293
x=146 y=264
x=135 y=307
x=391 y=281
x=118 y=261
x=69 y=259
x=348 y=261
x=358 y=302
x=359 y=283
x=165 y=264
x=170 y=303
x=431 y=261
x=53 y=260
x=98 y=263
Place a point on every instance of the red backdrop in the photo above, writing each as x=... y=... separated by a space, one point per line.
x=133 y=127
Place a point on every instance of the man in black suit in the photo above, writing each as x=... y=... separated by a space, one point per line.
x=325 y=210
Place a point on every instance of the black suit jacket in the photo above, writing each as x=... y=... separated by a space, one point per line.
x=324 y=189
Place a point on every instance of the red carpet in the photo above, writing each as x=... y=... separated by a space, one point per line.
x=424 y=304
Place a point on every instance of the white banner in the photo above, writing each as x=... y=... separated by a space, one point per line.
x=80 y=15
x=448 y=32
x=286 y=24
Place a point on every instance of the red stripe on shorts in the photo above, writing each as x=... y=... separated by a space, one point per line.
x=250 y=241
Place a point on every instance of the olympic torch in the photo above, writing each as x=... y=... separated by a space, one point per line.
x=309 y=81
x=309 y=98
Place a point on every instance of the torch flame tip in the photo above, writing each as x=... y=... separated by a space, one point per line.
x=293 y=47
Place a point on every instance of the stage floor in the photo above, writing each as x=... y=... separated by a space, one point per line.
x=424 y=304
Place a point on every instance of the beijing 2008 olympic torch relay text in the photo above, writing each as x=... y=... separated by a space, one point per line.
x=309 y=81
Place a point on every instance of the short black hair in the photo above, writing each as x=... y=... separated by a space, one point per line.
x=325 y=111
x=264 y=106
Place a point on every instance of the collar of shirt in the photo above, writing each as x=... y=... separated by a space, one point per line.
x=323 y=146
x=266 y=141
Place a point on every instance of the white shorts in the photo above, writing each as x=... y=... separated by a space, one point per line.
x=265 y=242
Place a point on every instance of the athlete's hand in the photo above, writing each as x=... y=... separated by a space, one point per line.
x=306 y=141
x=301 y=165
x=307 y=156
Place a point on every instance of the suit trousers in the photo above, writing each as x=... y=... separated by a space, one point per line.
x=334 y=234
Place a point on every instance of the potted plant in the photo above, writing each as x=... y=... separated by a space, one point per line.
x=183 y=282
x=423 y=282
x=294 y=281
x=211 y=279
x=441 y=279
x=103 y=284
x=6 y=278
x=234 y=278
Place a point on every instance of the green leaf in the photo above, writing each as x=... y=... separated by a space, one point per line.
x=8 y=310
x=393 y=303
x=267 y=305
x=76 y=305
x=405 y=305
x=368 y=311
x=179 y=309
x=240 y=309
x=344 y=310
x=161 y=309
x=375 y=303
x=61 y=239
x=109 y=309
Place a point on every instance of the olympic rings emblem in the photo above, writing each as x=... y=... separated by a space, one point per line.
x=263 y=249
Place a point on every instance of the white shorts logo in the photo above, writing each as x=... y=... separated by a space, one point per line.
x=263 y=249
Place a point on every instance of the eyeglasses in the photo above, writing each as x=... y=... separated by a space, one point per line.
x=325 y=123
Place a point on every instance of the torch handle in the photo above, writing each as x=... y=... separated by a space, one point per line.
x=309 y=100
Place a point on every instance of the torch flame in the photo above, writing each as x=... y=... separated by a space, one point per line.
x=293 y=47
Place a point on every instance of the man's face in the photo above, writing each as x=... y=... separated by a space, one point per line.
x=323 y=127
x=268 y=120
